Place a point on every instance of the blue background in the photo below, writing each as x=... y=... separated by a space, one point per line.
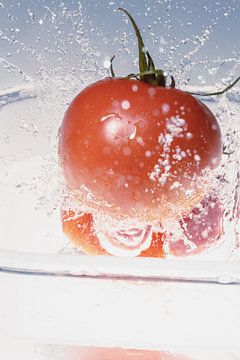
x=74 y=37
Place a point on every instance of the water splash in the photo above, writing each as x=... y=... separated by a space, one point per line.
x=62 y=60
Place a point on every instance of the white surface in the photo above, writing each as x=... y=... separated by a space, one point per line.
x=15 y=349
x=133 y=314
x=12 y=349
x=28 y=220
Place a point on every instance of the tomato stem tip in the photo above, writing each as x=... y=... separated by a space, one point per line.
x=216 y=92
x=111 y=66
x=147 y=71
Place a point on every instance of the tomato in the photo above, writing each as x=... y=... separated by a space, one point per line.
x=198 y=231
x=139 y=151
x=81 y=231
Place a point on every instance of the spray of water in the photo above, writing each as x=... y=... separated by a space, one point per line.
x=54 y=57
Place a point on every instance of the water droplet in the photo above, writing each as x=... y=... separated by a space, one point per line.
x=134 y=88
x=197 y=157
x=151 y=91
x=165 y=108
x=148 y=153
x=125 y=105
x=226 y=279
x=106 y=63
x=127 y=151
x=189 y=135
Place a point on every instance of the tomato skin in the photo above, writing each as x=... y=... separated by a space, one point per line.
x=138 y=149
x=202 y=228
x=156 y=249
x=80 y=230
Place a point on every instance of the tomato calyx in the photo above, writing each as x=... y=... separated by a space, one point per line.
x=147 y=70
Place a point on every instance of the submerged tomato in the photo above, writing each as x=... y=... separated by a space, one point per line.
x=195 y=233
x=81 y=230
x=200 y=230
x=140 y=151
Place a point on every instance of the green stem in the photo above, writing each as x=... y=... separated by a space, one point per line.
x=132 y=75
x=216 y=92
x=111 y=66
x=147 y=70
x=158 y=75
x=141 y=46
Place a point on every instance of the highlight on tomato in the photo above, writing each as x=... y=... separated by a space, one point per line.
x=135 y=147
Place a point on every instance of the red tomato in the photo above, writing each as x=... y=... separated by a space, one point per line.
x=139 y=151
x=80 y=230
x=201 y=229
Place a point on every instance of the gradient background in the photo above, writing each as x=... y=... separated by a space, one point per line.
x=49 y=34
